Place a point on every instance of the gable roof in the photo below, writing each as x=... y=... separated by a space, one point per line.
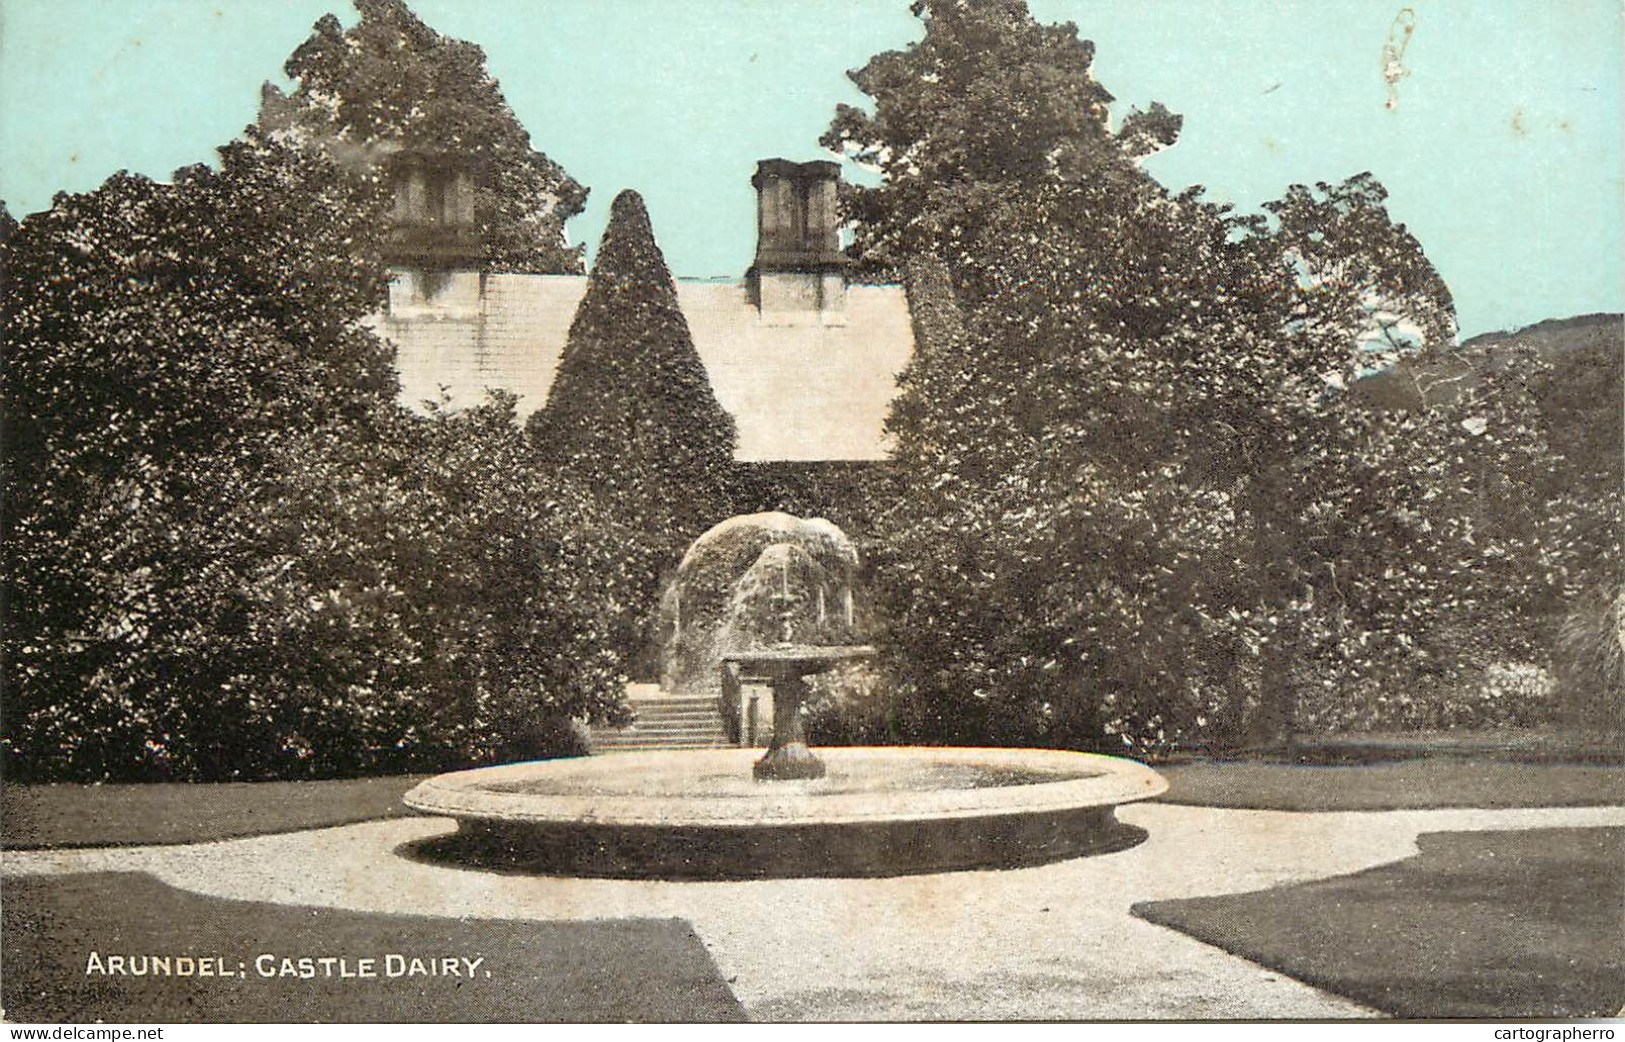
x=798 y=392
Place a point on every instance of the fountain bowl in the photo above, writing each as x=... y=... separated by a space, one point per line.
x=882 y=810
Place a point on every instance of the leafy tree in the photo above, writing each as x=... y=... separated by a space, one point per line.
x=989 y=101
x=631 y=415
x=1445 y=570
x=228 y=552
x=1578 y=397
x=1076 y=563
x=1363 y=278
x=392 y=85
x=1505 y=507
x=1141 y=509
x=1580 y=403
x=145 y=320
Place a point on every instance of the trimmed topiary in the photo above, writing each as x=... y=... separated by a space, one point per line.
x=632 y=416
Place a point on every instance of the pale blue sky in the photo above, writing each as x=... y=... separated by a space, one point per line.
x=1503 y=153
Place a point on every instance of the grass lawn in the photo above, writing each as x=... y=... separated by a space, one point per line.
x=66 y=815
x=1478 y=925
x=1529 y=744
x=1400 y=785
x=129 y=815
x=618 y=970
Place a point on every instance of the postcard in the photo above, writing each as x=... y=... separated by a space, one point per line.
x=812 y=511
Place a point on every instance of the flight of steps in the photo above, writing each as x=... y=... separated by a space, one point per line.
x=662 y=721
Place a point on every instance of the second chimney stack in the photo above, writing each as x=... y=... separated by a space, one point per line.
x=799 y=274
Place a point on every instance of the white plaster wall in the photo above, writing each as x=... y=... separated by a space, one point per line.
x=797 y=391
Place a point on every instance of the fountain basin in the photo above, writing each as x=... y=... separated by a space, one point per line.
x=876 y=811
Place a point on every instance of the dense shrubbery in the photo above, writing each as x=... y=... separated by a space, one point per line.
x=1143 y=512
x=1579 y=401
x=1591 y=660
x=853 y=704
x=853 y=494
x=227 y=552
x=1500 y=695
x=631 y=416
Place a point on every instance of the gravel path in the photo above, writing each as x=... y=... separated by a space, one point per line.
x=1055 y=941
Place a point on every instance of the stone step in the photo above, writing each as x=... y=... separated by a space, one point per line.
x=611 y=750
x=663 y=706
x=676 y=717
x=662 y=743
x=673 y=703
x=660 y=740
x=663 y=721
x=666 y=726
x=708 y=734
x=676 y=714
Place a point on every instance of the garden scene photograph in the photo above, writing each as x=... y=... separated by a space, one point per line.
x=812 y=511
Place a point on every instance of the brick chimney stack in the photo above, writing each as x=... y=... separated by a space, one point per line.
x=433 y=223
x=800 y=274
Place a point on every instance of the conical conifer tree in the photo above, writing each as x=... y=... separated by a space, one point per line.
x=631 y=412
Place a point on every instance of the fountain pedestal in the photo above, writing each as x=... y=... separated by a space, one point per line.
x=786 y=667
x=788 y=757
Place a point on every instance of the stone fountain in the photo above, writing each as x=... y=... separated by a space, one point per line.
x=847 y=811
x=786 y=666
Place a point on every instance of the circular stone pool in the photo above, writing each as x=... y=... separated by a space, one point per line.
x=877 y=811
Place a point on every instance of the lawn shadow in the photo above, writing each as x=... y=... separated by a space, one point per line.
x=1411 y=784
x=62 y=815
x=232 y=961
x=1480 y=925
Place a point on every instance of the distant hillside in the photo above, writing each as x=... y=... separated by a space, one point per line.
x=1581 y=398
x=1439 y=377
x=1556 y=335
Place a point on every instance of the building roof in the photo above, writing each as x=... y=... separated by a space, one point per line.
x=804 y=391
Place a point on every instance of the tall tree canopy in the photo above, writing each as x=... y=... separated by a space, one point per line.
x=1363 y=278
x=988 y=102
x=1143 y=510
x=631 y=413
x=391 y=85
